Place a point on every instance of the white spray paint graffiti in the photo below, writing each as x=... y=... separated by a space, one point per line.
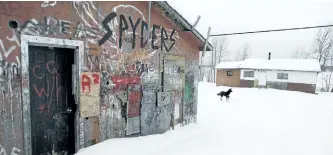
x=81 y=133
x=48 y=4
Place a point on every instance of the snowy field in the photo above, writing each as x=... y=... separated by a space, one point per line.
x=253 y=122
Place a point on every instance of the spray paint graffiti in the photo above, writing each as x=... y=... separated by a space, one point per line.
x=48 y=4
x=6 y=53
x=81 y=132
x=120 y=47
x=123 y=26
x=49 y=26
x=90 y=94
x=52 y=83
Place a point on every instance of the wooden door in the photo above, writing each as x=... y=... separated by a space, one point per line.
x=51 y=101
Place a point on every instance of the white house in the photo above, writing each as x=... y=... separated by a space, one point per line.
x=285 y=74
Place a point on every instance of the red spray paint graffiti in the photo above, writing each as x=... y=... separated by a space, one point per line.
x=90 y=94
x=134 y=97
x=51 y=85
x=86 y=81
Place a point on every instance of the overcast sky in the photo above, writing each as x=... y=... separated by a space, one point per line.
x=238 y=16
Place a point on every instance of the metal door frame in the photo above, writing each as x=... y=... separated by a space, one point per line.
x=27 y=41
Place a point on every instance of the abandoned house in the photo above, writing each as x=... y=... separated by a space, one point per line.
x=285 y=74
x=74 y=74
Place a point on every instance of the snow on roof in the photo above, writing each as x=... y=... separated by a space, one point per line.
x=229 y=65
x=311 y=65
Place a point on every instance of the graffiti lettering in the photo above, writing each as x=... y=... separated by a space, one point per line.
x=50 y=26
x=6 y=52
x=86 y=81
x=117 y=80
x=81 y=133
x=51 y=85
x=48 y=4
x=123 y=26
x=144 y=28
x=34 y=72
x=153 y=38
x=105 y=22
x=96 y=78
x=164 y=37
x=134 y=26
x=42 y=90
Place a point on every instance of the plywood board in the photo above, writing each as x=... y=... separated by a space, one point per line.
x=164 y=98
x=89 y=94
x=134 y=99
x=174 y=73
x=133 y=125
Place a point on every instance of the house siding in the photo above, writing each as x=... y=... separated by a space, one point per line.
x=247 y=83
x=223 y=80
x=307 y=88
x=132 y=64
x=297 y=80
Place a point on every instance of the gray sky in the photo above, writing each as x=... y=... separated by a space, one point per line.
x=238 y=16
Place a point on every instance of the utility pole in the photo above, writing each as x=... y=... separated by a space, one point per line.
x=213 y=68
x=203 y=52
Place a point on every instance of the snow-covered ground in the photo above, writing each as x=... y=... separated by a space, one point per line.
x=253 y=122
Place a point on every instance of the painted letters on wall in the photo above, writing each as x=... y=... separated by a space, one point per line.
x=122 y=69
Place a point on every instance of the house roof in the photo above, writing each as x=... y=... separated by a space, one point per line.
x=229 y=65
x=310 y=65
x=179 y=20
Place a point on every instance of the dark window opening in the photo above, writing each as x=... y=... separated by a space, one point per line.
x=283 y=76
x=248 y=74
x=229 y=73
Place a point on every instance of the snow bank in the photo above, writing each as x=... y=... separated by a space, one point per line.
x=254 y=122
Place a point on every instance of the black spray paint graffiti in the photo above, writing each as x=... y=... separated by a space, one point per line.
x=123 y=26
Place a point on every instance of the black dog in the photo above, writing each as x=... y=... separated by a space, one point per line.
x=226 y=94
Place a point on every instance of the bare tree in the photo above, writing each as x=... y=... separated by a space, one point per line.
x=323 y=46
x=244 y=53
x=300 y=53
x=327 y=78
x=219 y=52
x=220 y=49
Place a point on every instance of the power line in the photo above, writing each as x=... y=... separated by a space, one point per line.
x=276 y=30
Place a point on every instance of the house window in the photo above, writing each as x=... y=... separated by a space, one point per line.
x=229 y=73
x=248 y=74
x=283 y=76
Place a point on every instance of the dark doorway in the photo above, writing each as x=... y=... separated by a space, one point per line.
x=51 y=101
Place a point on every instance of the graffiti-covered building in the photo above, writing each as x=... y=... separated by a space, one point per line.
x=73 y=74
